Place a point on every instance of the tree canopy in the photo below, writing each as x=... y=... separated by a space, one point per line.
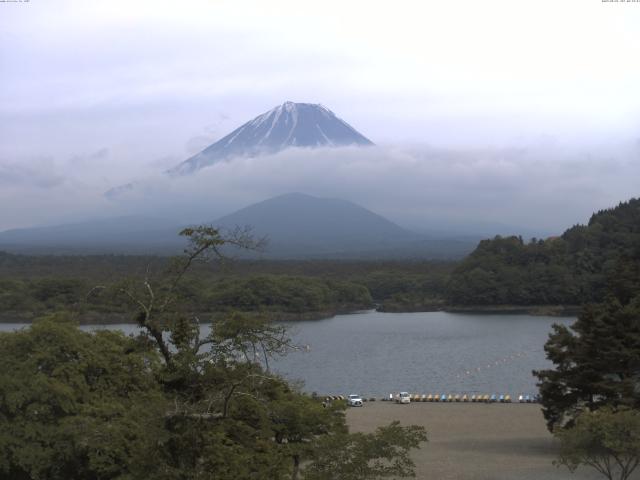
x=169 y=404
x=77 y=405
x=597 y=361
x=606 y=440
x=572 y=269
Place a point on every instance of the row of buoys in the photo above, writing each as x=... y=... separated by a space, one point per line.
x=496 y=363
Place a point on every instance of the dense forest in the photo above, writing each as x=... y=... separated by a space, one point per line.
x=31 y=286
x=572 y=269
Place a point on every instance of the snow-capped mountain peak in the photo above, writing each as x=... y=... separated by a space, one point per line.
x=288 y=125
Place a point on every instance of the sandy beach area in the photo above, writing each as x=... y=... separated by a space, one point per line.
x=469 y=441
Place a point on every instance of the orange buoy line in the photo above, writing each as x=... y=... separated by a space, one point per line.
x=468 y=372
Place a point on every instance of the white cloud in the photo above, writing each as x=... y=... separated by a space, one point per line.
x=544 y=188
x=489 y=82
x=440 y=72
x=36 y=172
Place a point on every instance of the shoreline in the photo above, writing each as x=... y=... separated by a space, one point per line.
x=98 y=318
x=535 y=310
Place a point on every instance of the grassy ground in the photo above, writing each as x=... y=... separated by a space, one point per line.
x=474 y=441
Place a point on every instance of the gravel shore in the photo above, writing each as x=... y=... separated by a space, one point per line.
x=469 y=441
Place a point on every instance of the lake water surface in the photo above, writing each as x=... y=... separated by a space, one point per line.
x=374 y=353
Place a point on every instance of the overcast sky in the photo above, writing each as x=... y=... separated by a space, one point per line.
x=525 y=112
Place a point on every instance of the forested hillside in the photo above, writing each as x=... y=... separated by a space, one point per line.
x=572 y=269
x=31 y=286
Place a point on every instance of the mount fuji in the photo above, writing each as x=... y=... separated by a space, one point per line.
x=288 y=125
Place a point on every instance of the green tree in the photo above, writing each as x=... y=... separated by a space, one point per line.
x=77 y=405
x=597 y=362
x=169 y=404
x=607 y=440
x=358 y=456
x=229 y=383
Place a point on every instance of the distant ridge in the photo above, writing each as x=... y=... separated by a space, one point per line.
x=303 y=226
x=287 y=125
x=128 y=234
x=324 y=223
x=298 y=226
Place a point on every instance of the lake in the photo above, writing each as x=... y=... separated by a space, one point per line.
x=374 y=353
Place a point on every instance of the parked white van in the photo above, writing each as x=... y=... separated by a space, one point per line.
x=403 y=397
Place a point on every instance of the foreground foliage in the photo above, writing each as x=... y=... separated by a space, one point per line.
x=170 y=404
x=359 y=456
x=591 y=399
x=606 y=440
x=74 y=404
x=597 y=362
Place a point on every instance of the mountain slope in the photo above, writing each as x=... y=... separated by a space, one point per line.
x=315 y=221
x=287 y=125
x=302 y=226
x=298 y=226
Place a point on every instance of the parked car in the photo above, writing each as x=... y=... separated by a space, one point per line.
x=403 y=397
x=354 y=400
